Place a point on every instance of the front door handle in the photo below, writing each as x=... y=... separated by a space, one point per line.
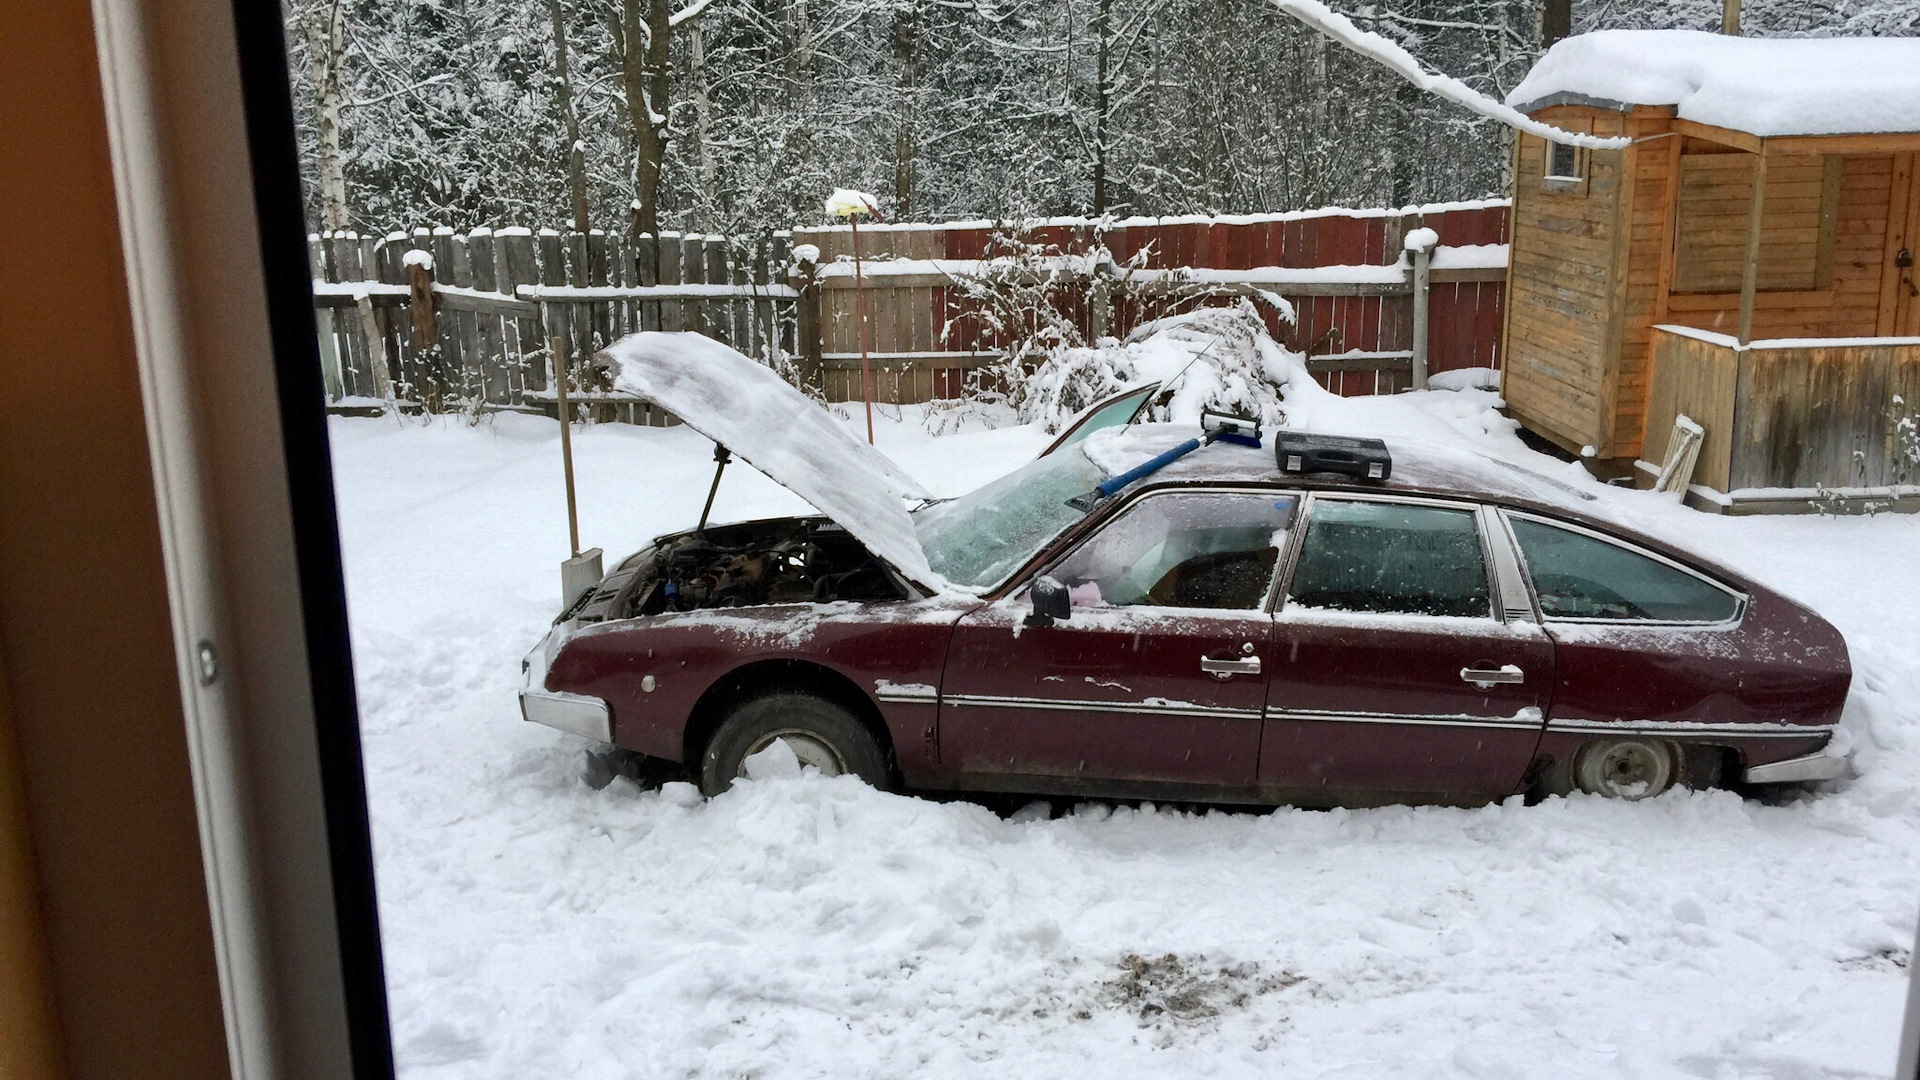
x=1484 y=677
x=1249 y=665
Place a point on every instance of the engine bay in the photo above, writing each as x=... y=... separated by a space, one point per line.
x=759 y=562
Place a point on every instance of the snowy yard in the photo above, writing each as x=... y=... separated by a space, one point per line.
x=805 y=927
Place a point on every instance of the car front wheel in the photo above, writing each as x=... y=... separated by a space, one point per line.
x=821 y=734
x=1618 y=769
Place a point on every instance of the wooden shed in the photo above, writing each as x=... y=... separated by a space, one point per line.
x=1745 y=260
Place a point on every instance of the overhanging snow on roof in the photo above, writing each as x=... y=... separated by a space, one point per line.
x=1764 y=86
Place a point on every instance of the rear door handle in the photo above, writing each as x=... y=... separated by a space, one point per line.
x=1484 y=677
x=1226 y=668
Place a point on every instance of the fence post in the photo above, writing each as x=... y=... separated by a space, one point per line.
x=1422 y=264
x=806 y=311
x=323 y=322
x=521 y=268
x=426 y=326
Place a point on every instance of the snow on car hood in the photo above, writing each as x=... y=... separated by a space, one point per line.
x=742 y=405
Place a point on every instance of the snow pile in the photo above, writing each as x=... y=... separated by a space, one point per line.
x=845 y=202
x=745 y=407
x=1211 y=358
x=806 y=927
x=1766 y=86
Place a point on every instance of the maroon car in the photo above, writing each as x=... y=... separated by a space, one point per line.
x=1215 y=629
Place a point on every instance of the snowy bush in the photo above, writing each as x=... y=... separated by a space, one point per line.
x=1051 y=309
x=1219 y=358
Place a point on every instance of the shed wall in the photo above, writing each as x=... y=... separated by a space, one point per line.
x=1563 y=286
x=1849 y=305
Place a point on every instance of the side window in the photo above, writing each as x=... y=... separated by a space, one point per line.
x=1185 y=550
x=1579 y=577
x=1392 y=558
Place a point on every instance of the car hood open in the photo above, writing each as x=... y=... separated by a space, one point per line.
x=742 y=405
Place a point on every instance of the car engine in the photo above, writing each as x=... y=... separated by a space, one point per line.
x=762 y=562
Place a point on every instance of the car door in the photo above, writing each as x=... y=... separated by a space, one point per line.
x=1114 y=410
x=1648 y=645
x=1407 y=664
x=1158 y=676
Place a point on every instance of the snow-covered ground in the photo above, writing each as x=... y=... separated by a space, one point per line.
x=814 y=928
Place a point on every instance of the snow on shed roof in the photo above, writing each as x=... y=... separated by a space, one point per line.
x=1764 y=86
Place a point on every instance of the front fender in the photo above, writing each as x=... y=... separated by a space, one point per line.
x=652 y=671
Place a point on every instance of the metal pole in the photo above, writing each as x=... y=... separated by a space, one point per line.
x=1422 y=262
x=860 y=299
x=561 y=373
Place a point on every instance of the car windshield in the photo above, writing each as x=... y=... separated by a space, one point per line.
x=976 y=540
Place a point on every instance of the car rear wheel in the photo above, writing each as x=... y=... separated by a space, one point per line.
x=1618 y=769
x=821 y=734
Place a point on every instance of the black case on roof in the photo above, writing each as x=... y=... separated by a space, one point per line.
x=1362 y=459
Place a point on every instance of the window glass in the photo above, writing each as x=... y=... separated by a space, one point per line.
x=1115 y=413
x=984 y=535
x=1392 y=558
x=1579 y=577
x=1189 y=550
x=1563 y=162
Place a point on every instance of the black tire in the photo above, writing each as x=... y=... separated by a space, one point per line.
x=815 y=727
x=1626 y=768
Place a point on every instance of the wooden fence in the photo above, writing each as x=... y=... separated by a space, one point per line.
x=469 y=322
x=1343 y=272
x=441 y=322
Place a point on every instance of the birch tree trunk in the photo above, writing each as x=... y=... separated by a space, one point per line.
x=563 y=97
x=1102 y=100
x=326 y=39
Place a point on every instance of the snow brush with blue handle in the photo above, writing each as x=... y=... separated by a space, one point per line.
x=1214 y=427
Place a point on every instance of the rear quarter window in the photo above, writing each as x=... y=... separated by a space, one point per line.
x=1578 y=576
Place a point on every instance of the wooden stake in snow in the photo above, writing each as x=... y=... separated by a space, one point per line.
x=563 y=371
x=850 y=205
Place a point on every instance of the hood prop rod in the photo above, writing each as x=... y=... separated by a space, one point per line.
x=720 y=458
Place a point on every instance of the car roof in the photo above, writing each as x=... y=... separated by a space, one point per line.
x=1419 y=468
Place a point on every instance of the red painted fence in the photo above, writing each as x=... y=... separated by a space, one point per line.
x=1354 y=319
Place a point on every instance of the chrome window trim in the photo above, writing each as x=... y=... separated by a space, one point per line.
x=1313 y=499
x=1741 y=599
x=1517 y=602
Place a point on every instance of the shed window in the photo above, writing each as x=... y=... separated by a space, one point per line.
x=1563 y=168
x=1563 y=162
x=1796 y=225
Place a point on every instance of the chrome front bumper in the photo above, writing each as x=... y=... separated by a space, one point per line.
x=1807 y=767
x=575 y=714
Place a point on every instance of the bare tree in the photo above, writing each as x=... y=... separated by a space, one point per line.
x=563 y=100
x=905 y=34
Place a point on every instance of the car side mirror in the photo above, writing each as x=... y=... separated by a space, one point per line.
x=1050 y=601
